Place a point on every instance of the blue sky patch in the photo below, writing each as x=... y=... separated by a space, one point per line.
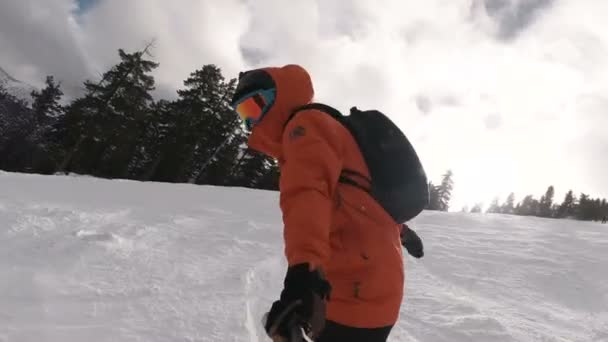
x=85 y=5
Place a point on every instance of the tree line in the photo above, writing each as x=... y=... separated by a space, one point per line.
x=117 y=130
x=440 y=195
x=581 y=207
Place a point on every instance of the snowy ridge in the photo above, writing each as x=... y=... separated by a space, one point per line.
x=15 y=87
x=97 y=260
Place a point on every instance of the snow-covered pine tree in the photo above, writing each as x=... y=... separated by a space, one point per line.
x=509 y=206
x=46 y=138
x=107 y=123
x=16 y=124
x=445 y=191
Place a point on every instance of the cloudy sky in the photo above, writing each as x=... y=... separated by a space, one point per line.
x=512 y=95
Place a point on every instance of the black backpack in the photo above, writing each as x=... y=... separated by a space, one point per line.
x=398 y=180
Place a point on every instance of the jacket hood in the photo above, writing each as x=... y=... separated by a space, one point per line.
x=293 y=89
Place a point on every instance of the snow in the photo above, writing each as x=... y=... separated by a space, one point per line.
x=15 y=87
x=98 y=260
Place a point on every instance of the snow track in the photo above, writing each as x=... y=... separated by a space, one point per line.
x=96 y=260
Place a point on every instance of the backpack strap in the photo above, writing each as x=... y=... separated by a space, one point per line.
x=346 y=176
x=333 y=112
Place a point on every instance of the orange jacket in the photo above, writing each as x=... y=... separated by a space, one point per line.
x=334 y=226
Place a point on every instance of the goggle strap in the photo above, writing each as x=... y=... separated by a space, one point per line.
x=259 y=100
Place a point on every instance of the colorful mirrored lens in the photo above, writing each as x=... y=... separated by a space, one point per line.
x=251 y=108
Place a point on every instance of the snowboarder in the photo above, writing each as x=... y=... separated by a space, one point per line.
x=345 y=275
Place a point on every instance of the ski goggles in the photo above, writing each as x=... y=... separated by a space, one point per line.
x=252 y=107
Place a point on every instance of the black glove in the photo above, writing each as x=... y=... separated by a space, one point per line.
x=301 y=303
x=412 y=242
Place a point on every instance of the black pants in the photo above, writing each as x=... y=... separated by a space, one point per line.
x=334 y=332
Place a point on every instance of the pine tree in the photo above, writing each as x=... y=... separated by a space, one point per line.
x=46 y=102
x=494 y=207
x=583 y=210
x=130 y=108
x=218 y=169
x=208 y=126
x=17 y=123
x=596 y=213
x=477 y=208
x=509 y=206
x=434 y=203
x=546 y=203
x=251 y=169
x=567 y=208
x=528 y=207
x=106 y=125
x=555 y=209
x=445 y=191
x=160 y=130
x=270 y=179
x=46 y=138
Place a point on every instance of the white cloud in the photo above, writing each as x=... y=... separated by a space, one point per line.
x=187 y=34
x=508 y=93
x=39 y=38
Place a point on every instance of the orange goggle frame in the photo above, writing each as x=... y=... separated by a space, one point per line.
x=252 y=107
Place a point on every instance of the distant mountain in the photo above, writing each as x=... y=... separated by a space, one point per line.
x=15 y=87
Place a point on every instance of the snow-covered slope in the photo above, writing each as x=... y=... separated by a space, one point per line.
x=83 y=259
x=15 y=87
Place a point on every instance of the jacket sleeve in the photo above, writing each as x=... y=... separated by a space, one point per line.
x=310 y=172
